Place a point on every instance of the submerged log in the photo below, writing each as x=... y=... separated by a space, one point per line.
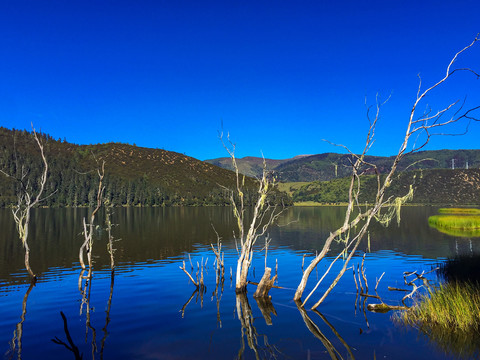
x=265 y=284
x=383 y=308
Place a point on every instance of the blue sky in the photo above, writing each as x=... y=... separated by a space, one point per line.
x=280 y=75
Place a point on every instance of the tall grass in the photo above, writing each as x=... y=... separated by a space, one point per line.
x=452 y=306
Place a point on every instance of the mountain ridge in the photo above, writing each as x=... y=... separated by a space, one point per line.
x=328 y=166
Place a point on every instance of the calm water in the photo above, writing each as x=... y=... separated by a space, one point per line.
x=149 y=310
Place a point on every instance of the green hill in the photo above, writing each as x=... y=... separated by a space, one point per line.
x=436 y=187
x=134 y=176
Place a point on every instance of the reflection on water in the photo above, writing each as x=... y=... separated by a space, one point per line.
x=16 y=342
x=71 y=345
x=156 y=315
x=465 y=233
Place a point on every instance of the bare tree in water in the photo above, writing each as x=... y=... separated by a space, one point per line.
x=89 y=228
x=28 y=196
x=249 y=230
x=357 y=219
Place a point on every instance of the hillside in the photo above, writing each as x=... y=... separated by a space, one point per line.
x=328 y=166
x=436 y=187
x=134 y=176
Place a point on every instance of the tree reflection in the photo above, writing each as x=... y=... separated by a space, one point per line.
x=85 y=291
x=266 y=307
x=315 y=330
x=198 y=294
x=107 y=316
x=85 y=307
x=244 y=313
x=16 y=342
x=71 y=345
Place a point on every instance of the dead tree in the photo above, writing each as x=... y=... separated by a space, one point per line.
x=219 y=256
x=88 y=229
x=199 y=284
x=264 y=215
x=108 y=223
x=421 y=128
x=27 y=198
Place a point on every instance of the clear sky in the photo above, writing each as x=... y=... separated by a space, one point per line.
x=280 y=75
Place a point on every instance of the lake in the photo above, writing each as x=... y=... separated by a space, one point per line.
x=148 y=309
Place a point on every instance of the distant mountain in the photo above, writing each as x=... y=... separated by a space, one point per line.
x=134 y=176
x=250 y=165
x=432 y=186
x=329 y=166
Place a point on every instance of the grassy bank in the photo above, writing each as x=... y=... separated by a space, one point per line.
x=464 y=211
x=314 y=203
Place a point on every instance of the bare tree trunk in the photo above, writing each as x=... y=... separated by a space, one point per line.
x=27 y=261
x=265 y=284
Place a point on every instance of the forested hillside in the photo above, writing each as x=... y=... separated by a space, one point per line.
x=439 y=186
x=134 y=176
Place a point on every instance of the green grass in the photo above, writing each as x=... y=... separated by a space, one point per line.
x=466 y=211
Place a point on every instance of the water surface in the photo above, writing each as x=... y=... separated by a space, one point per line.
x=148 y=309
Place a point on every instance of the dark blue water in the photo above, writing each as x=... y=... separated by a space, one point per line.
x=148 y=309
